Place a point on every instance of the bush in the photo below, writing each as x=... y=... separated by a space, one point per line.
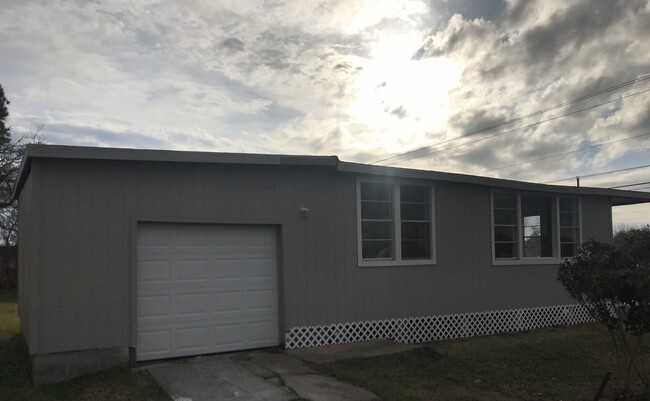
x=613 y=282
x=8 y=267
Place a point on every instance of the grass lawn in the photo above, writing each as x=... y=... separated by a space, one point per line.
x=120 y=384
x=549 y=364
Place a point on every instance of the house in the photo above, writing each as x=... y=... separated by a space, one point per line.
x=134 y=255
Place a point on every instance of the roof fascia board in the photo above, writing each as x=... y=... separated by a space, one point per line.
x=619 y=197
x=96 y=153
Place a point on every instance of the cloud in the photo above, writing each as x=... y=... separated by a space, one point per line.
x=364 y=79
x=536 y=54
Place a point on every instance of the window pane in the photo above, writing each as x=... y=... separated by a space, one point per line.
x=376 y=230
x=537 y=216
x=376 y=191
x=532 y=247
x=374 y=249
x=505 y=250
x=505 y=201
x=508 y=234
x=568 y=235
x=568 y=205
x=416 y=249
x=415 y=231
x=508 y=217
x=414 y=193
x=376 y=210
x=532 y=231
x=568 y=250
x=568 y=219
x=415 y=211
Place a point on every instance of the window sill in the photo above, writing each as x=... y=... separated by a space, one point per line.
x=397 y=263
x=528 y=262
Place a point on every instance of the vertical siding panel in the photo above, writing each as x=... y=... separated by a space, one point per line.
x=289 y=263
x=337 y=256
x=156 y=205
x=172 y=193
x=359 y=290
x=29 y=218
x=128 y=183
x=315 y=311
x=105 y=244
x=330 y=247
x=86 y=278
x=145 y=190
x=184 y=183
x=61 y=309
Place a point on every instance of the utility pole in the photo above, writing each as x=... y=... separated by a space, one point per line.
x=578 y=181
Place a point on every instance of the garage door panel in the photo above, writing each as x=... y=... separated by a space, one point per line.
x=262 y=268
x=192 y=304
x=193 y=338
x=206 y=289
x=191 y=270
x=227 y=337
x=153 y=237
x=258 y=238
x=223 y=301
x=258 y=332
x=262 y=299
x=154 y=271
x=155 y=341
x=154 y=306
x=226 y=268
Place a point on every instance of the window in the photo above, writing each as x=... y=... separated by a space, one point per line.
x=377 y=233
x=395 y=221
x=537 y=218
x=569 y=227
x=506 y=225
x=541 y=227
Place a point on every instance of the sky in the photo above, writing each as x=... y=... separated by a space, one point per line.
x=365 y=80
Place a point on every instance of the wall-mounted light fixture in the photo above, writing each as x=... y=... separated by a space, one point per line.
x=304 y=211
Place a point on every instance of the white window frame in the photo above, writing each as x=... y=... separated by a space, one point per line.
x=521 y=260
x=397 y=226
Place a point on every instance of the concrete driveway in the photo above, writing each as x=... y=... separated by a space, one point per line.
x=259 y=375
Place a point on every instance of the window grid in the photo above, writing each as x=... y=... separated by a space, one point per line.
x=389 y=221
x=572 y=215
x=514 y=226
x=559 y=211
x=396 y=224
x=406 y=252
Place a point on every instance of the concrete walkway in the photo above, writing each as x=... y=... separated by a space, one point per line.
x=254 y=376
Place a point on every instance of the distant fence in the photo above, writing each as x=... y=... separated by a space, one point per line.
x=8 y=266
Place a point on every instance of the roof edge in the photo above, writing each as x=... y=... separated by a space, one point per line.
x=619 y=197
x=153 y=155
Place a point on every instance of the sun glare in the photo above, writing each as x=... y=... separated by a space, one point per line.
x=400 y=97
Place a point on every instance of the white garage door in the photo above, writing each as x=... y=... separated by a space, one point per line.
x=205 y=288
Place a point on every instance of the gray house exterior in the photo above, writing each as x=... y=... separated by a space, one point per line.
x=135 y=255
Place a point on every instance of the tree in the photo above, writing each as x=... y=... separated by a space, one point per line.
x=613 y=282
x=11 y=154
x=5 y=133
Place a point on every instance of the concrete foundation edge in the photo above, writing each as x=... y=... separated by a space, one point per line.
x=60 y=366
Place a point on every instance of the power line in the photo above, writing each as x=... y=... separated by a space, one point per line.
x=521 y=128
x=630 y=185
x=638 y=189
x=517 y=119
x=597 y=174
x=563 y=153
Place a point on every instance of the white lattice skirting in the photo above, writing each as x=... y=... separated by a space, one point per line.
x=429 y=328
